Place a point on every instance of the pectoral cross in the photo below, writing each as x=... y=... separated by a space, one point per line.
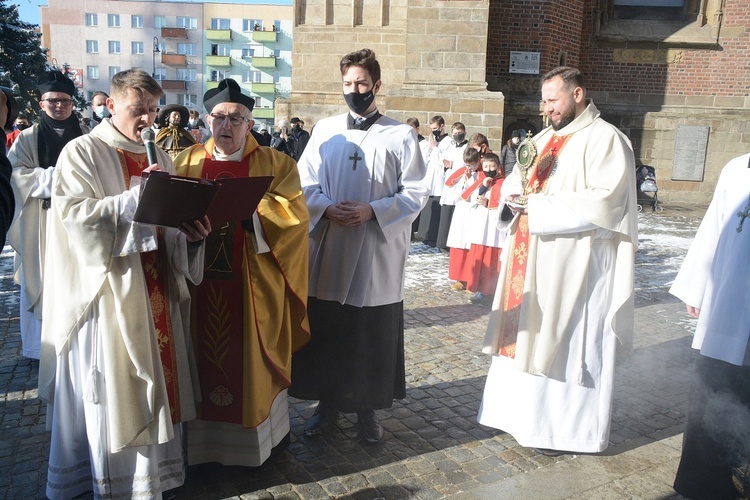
x=355 y=158
x=743 y=214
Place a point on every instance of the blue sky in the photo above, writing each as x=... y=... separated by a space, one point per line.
x=29 y=9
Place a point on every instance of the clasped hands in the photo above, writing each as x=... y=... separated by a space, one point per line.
x=349 y=213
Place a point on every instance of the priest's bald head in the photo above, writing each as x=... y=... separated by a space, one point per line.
x=563 y=96
x=229 y=116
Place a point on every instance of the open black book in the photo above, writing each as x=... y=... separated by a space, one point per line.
x=172 y=200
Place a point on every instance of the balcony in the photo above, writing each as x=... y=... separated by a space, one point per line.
x=219 y=61
x=176 y=85
x=174 y=33
x=174 y=59
x=264 y=62
x=219 y=35
x=263 y=113
x=264 y=88
x=265 y=36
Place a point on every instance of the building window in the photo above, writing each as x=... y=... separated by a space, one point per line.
x=187 y=75
x=113 y=70
x=219 y=24
x=187 y=49
x=649 y=22
x=250 y=76
x=113 y=20
x=276 y=76
x=188 y=100
x=252 y=24
x=218 y=75
x=160 y=74
x=114 y=47
x=92 y=46
x=137 y=47
x=247 y=51
x=276 y=53
x=136 y=21
x=277 y=25
x=160 y=22
x=163 y=100
x=649 y=9
x=190 y=23
x=92 y=72
x=220 y=49
x=92 y=20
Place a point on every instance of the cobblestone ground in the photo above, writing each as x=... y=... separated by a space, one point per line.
x=433 y=447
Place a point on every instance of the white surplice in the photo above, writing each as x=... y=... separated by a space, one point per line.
x=714 y=276
x=101 y=371
x=383 y=166
x=28 y=234
x=578 y=295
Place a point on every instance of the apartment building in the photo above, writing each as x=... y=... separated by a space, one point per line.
x=187 y=46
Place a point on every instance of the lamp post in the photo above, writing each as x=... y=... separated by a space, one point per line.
x=154 y=51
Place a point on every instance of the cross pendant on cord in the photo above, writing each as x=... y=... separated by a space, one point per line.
x=355 y=158
x=743 y=214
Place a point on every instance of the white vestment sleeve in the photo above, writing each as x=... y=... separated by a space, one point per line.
x=132 y=237
x=42 y=188
x=548 y=217
x=259 y=240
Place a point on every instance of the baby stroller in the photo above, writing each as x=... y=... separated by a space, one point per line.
x=646 y=189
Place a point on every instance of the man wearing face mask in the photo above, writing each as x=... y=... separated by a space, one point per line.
x=99 y=109
x=508 y=153
x=363 y=178
x=429 y=219
x=452 y=163
x=33 y=156
x=19 y=125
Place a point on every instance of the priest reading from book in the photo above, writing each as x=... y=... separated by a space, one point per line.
x=250 y=309
x=115 y=368
x=363 y=177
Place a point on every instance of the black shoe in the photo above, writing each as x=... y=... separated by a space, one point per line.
x=369 y=428
x=323 y=417
x=550 y=453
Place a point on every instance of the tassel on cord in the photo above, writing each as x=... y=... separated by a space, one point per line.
x=91 y=392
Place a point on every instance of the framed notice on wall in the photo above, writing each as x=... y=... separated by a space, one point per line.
x=524 y=62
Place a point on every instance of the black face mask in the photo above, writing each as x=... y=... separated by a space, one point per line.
x=22 y=126
x=359 y=103
x=459 y=138
x=490 y=173
x=437 y=133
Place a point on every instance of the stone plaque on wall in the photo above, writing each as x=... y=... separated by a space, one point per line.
x=689 y=159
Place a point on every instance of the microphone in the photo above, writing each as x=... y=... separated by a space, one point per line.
x=147 y=136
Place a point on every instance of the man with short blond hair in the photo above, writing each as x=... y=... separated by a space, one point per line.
x=116 y=369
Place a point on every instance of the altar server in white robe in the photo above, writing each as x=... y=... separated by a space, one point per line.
x=33 y=156
x=362 y=175
x=564 y=298
x=714 y=283
x=116 y=366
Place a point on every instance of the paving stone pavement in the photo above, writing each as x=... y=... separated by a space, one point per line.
x=433 y=446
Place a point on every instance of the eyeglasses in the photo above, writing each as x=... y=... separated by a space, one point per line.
x=59 y=102
x=233 y=119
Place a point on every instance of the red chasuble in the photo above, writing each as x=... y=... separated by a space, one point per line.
x=220 y=308
x=155 y=273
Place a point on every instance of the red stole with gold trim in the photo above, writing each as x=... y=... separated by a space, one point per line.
x=156 y=275
x=515 y=276
x=220 y=311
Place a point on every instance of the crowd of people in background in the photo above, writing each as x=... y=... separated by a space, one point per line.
x=204 y=329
